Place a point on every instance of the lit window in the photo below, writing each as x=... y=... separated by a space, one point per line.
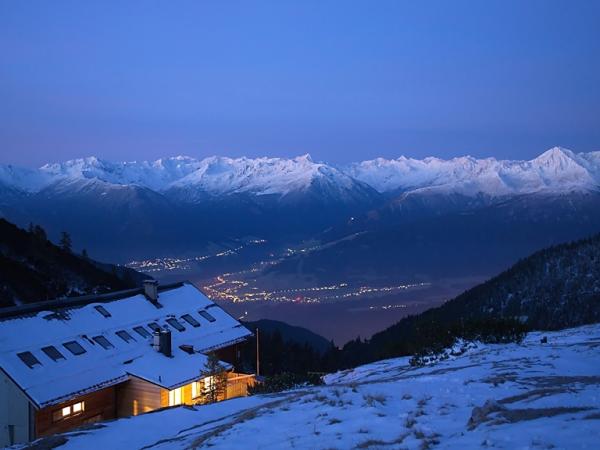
x=207 y=316
x=175 y=324
x=53 y=353
x=30 y=360
x=125 y=336
x=68 y=411
x=175 y=397
x=142 y=332
x=74 y=347
x=196 y=389
x=208 y=383
x=189 y=319
x=102 y=310
x=105 y=343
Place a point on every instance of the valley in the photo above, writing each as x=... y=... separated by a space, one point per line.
x=339 y=311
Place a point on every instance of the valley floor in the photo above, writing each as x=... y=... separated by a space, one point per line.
x=534 y=395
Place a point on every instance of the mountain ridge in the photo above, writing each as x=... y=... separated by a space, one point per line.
x=556 y=170
x=181 y=205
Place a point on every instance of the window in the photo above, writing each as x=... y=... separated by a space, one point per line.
x=125 y=336
x=74 y=347
x=142 y=332
x=175 y=324
x=68 y=411
x=207 y=316
x=30 y=360
x=175 y=397
x=53 y=353
x=154 y=326
x=189 y=319
x=196 y=389
x=102 y=310
x=105 y=343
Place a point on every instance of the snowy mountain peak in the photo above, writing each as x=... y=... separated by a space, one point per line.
x=557 y=170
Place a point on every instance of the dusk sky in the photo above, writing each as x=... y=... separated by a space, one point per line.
x=343 y=80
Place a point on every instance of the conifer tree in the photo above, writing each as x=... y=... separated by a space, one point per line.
x=65 y=241
x=216 y=387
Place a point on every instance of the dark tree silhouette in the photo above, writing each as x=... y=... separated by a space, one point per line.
x=65 y=241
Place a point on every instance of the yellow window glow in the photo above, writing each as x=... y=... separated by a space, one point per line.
x=66 y=411
x=78 y=407
x=175 y=397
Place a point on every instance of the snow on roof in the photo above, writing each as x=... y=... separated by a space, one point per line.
x=54 y=381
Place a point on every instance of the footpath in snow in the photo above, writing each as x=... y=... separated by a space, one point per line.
x=534 y=396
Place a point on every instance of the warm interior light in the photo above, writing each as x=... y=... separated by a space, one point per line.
x=175 y=397
x=66 y=411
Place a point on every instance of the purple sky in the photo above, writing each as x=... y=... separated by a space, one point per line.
x=342 y=80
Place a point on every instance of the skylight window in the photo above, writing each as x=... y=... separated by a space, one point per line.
x=125 y=336
x=105 y=343
x=207 y=316
x=142 y=332
x=189 y=319
x=74 y=347
x=53 y=353
x=102 y=310
x=175 y=324
x=154 y=326
x=30 y=360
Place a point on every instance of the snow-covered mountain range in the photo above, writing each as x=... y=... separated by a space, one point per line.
x=172 y=205
x=556 y=170
x=214 y=176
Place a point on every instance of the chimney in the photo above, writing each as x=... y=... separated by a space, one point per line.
x=151 y=290
x=162 y=342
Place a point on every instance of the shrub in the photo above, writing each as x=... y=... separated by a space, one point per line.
x=284 y=381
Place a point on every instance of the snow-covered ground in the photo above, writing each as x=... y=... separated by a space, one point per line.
x=525 y=396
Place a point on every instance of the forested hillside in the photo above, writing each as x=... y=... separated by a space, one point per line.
x=554 y=288
x=33 y=269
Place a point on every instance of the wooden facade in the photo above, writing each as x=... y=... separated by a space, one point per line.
x=137 y=396
x=98 y=406
x=238 y=384
x=133 y=397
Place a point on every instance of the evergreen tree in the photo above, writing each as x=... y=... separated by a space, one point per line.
x=216 y=387
x=40 y=233
x=84 y=253
x=65 y=241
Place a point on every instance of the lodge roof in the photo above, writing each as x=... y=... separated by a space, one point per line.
x=38 y=354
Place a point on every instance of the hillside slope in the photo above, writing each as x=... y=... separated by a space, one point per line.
x=554 y=288
x=502 y=396
x=291 y=333
x=33 y=269
x=414 y=246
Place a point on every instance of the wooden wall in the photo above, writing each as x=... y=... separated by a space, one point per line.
x=229 y=354
x=137 y=396
x=99 y=405
x=130 y=398
x=238 y=384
